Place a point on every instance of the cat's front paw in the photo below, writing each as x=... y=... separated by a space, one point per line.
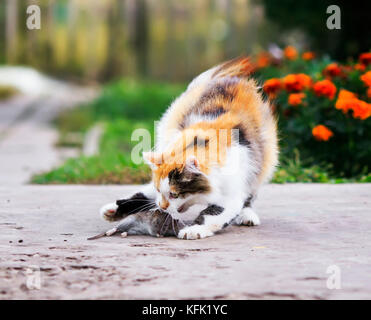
x=247 y=217
x=194 y=232
x=108 y=212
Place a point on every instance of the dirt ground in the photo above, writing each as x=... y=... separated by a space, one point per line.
x=306 y=230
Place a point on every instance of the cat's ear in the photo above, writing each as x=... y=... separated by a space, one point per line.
x=153 y=159
x=192 y=164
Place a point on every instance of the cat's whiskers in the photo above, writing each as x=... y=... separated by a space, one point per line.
x=142 y=208
x=132 y=200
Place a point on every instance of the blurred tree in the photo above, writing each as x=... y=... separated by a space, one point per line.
x=169 y=39
x=2 y=27
x=310 y=16
x=11 y=28
x=115 y=18
x=139 y=36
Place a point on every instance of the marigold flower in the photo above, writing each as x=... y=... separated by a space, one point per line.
x=296 y=99
x=332 y=70
x=359 y=67
x=345 y=100
x=291 y=82
x=290 y=53
x=308 y=55
x=365 y=58
x=345 y=94
x=305 y=80
x=361 y=110
x=348 y=101
x=324 y=88
x=297 y=82
x=369 y=93
x=322 y=133
x=272 y=86
x=366 y=78
x=263 y=60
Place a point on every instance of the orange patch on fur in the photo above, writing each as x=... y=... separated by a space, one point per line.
x=234 y=102
x=242 y=112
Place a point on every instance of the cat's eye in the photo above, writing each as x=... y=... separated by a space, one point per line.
x=173 y=195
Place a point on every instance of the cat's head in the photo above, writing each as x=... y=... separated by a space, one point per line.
x=182 y=175
x=180 y=185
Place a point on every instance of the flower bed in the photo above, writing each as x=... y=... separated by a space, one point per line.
x=323 y=108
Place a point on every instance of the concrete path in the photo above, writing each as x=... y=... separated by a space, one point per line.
x=307 y=229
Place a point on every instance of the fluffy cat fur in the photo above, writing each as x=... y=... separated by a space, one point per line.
x=216 y=144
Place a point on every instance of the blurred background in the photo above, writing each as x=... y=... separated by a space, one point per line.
x=98 y=40
x=72 y=93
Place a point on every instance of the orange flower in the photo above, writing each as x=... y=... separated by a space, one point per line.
x=345 y=94
x=345 y=100
x=359 y=67
x=322 y=133
x=290 y=53
x=324 y=88
x=365 y=58
x=297 y=82
x=305 y=80
x=361 y=109
x=272 y=86
x=296 y=99
x=332 y=70
x=369 y=93
x=348 y=101
x=309 y=55
x=366 y=78
x=263 y=60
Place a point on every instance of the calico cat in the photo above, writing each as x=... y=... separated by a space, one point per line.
x=216 y=144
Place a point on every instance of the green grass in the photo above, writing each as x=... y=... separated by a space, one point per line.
x=291 y=170
x=108 y=169
x=122 y=107
x=112 y=165
x=127 y=105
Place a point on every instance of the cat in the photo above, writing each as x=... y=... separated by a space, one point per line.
x=216 y=145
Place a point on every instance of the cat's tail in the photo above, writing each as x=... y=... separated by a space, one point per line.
x=238 y=67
